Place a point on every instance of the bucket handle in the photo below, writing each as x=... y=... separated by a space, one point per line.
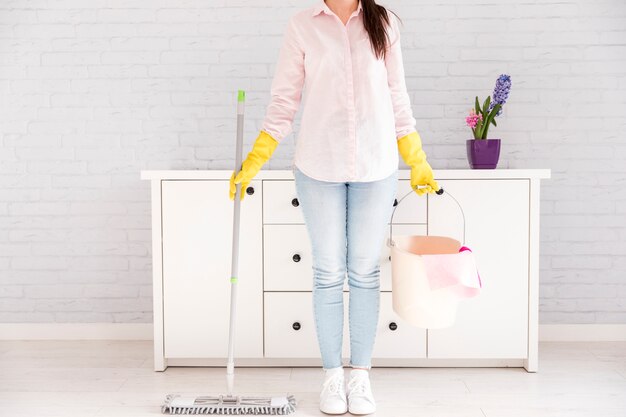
x=438 y=192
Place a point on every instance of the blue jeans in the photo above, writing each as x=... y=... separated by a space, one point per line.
x=347 y=225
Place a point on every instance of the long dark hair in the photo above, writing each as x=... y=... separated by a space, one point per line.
x=375 y=20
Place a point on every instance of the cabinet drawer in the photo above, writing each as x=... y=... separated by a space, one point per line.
x=290 y=326
x=281 y=205
x=287 y=257
x=290 y=329
x=396 y=338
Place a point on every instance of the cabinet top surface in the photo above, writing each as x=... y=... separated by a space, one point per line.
x=278 y=174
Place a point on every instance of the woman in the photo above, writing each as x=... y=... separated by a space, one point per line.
x=357 y=116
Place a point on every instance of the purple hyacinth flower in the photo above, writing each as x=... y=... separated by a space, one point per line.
x=500 y=92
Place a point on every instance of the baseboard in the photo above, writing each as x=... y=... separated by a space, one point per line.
x=76 y=331
x=144 y=331
x=582 y=332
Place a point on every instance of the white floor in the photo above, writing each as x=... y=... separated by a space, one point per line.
x=115 y=378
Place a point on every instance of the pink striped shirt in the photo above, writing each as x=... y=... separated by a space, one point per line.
x=355 y=106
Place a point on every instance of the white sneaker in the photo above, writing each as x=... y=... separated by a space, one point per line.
x=360 y=397
x=333 y=396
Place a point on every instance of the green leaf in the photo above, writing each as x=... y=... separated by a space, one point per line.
x=490 y=118
x=479 y=129
x=486 y=105
x=477 y=106
x=494 y=122
x=495 y=110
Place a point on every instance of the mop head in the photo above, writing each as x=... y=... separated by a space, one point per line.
x=175 y=404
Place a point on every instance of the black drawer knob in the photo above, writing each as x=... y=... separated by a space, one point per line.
x=249 y=190
x=389 y=257
x=296 y=258
x=395 y=202
x=393 y=326
x=295 y=202
x=296 y=326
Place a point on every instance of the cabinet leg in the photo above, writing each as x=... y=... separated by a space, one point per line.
x=530 y=364
x=160 y=364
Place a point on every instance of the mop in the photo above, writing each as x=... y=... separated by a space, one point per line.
x=231 y=404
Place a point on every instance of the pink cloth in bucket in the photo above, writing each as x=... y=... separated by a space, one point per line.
x=463 y=248
x=455 y=271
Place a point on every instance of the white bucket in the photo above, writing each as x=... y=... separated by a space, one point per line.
x=429 y=276
x=413 y=299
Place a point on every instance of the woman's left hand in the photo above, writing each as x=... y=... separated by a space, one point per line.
x=410 y=147
x=422 y=175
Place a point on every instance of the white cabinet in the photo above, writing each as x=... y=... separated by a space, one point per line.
x=192 y=247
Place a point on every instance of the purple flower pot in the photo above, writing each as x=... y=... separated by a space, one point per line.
x=483 y=153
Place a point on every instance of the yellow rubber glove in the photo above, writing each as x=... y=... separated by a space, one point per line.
x=410 y=147
x=262 y=150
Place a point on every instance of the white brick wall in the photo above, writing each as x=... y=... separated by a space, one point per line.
x=94 y=91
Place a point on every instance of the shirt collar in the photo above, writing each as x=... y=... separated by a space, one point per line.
x=321 y=6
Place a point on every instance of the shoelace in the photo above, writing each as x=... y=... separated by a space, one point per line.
x=334 y=384
x=357 y=385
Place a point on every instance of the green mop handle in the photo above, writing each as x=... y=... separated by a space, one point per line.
x=230 y=367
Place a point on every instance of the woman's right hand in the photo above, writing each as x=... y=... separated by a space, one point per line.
x=261 y=152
